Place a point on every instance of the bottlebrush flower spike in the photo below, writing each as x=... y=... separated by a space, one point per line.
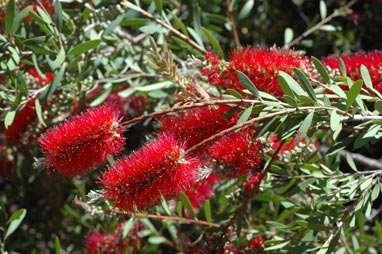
x=237 y=153
x=372 y=61
x=202 y=190
x=98 y=243
x=84 y=142
x=195 y=125
x=160 y=167
x=261 y=65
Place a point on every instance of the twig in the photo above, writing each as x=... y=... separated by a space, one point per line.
x=321 y=23
x=232 y=20
x=260 y=118
x=132 y=76
x=348 y=210
x=169 y=28
x=189 y=106
x=250 y=194
x=85 y=206
x=358 y=158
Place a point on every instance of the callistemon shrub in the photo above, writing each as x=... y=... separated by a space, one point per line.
x=195 y=125
x=236 y=154
x=158 y=168
x=353 y=62
x=84 y=142
x=261 y=65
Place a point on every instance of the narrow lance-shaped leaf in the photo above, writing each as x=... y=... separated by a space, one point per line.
x=296 y=88
x=215 y=44
x=321 y=69
x=342 y=67
x=15 y=221
x=186 y=203
x=248 y=83
x=84 y=47
x=39 y=112
x=9 y=16
x=353 y=93
x=305 y=83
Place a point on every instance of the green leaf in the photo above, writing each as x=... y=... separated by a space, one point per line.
x=340 y=145
x=207 y=210
x=19 y=18
x=366 y=136
x=113 y=24
x=248 y=83
x=327 y=101
x=155 y=86
x=15 y=221
x=158 y=6
x=84 y=47
x=277 y=246
x=9 y=16
x=234 y=93
x=350 y=161
x=378 y=106
x=127 y=92
x=290 y=100
x=366 y=184
x=296 y=88
x=197 y=38
x=246 y=10
x=58 y=61
x=366 y=76
x=288 y=35
x=306 y=124
x=39 y=112
x=179 y=23
x=376 y=191
x=353 y=93
x=134 y=22
x=305 y=83
x=215 y=44
x=179 y=209
x=342 y=67
x=245 y=115
x=53 y=85
x=156 y=239
x=21 y=84
x=102 y=97
x=165 y=205
x=321 y=69
x=9 y=117
x=58 y=14
x=323 y=9
x=126 y=228
x=40 y=50
x=131 y=6
x=57 y=242
x=230 y=112
x=335 y=120
x=186 y=203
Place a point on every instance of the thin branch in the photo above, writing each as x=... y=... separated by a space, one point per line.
x=190 y=106
x=232 y=20
x=260 y=118
x=347 y=212
x=169 y=28
x=251 y=193
x=321 y=23
x=358 y=158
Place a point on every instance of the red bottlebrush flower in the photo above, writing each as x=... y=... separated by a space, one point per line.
x=158 y=168
x=49 y=76
x=202 y=190
x=252 y=182
x=98 y=243
x=256 y=242
x=237 y=153
x=14 y=132
x=372 y=61
x=261 y=65
x=84 y=142
x=195 y=125
x=354 y=16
